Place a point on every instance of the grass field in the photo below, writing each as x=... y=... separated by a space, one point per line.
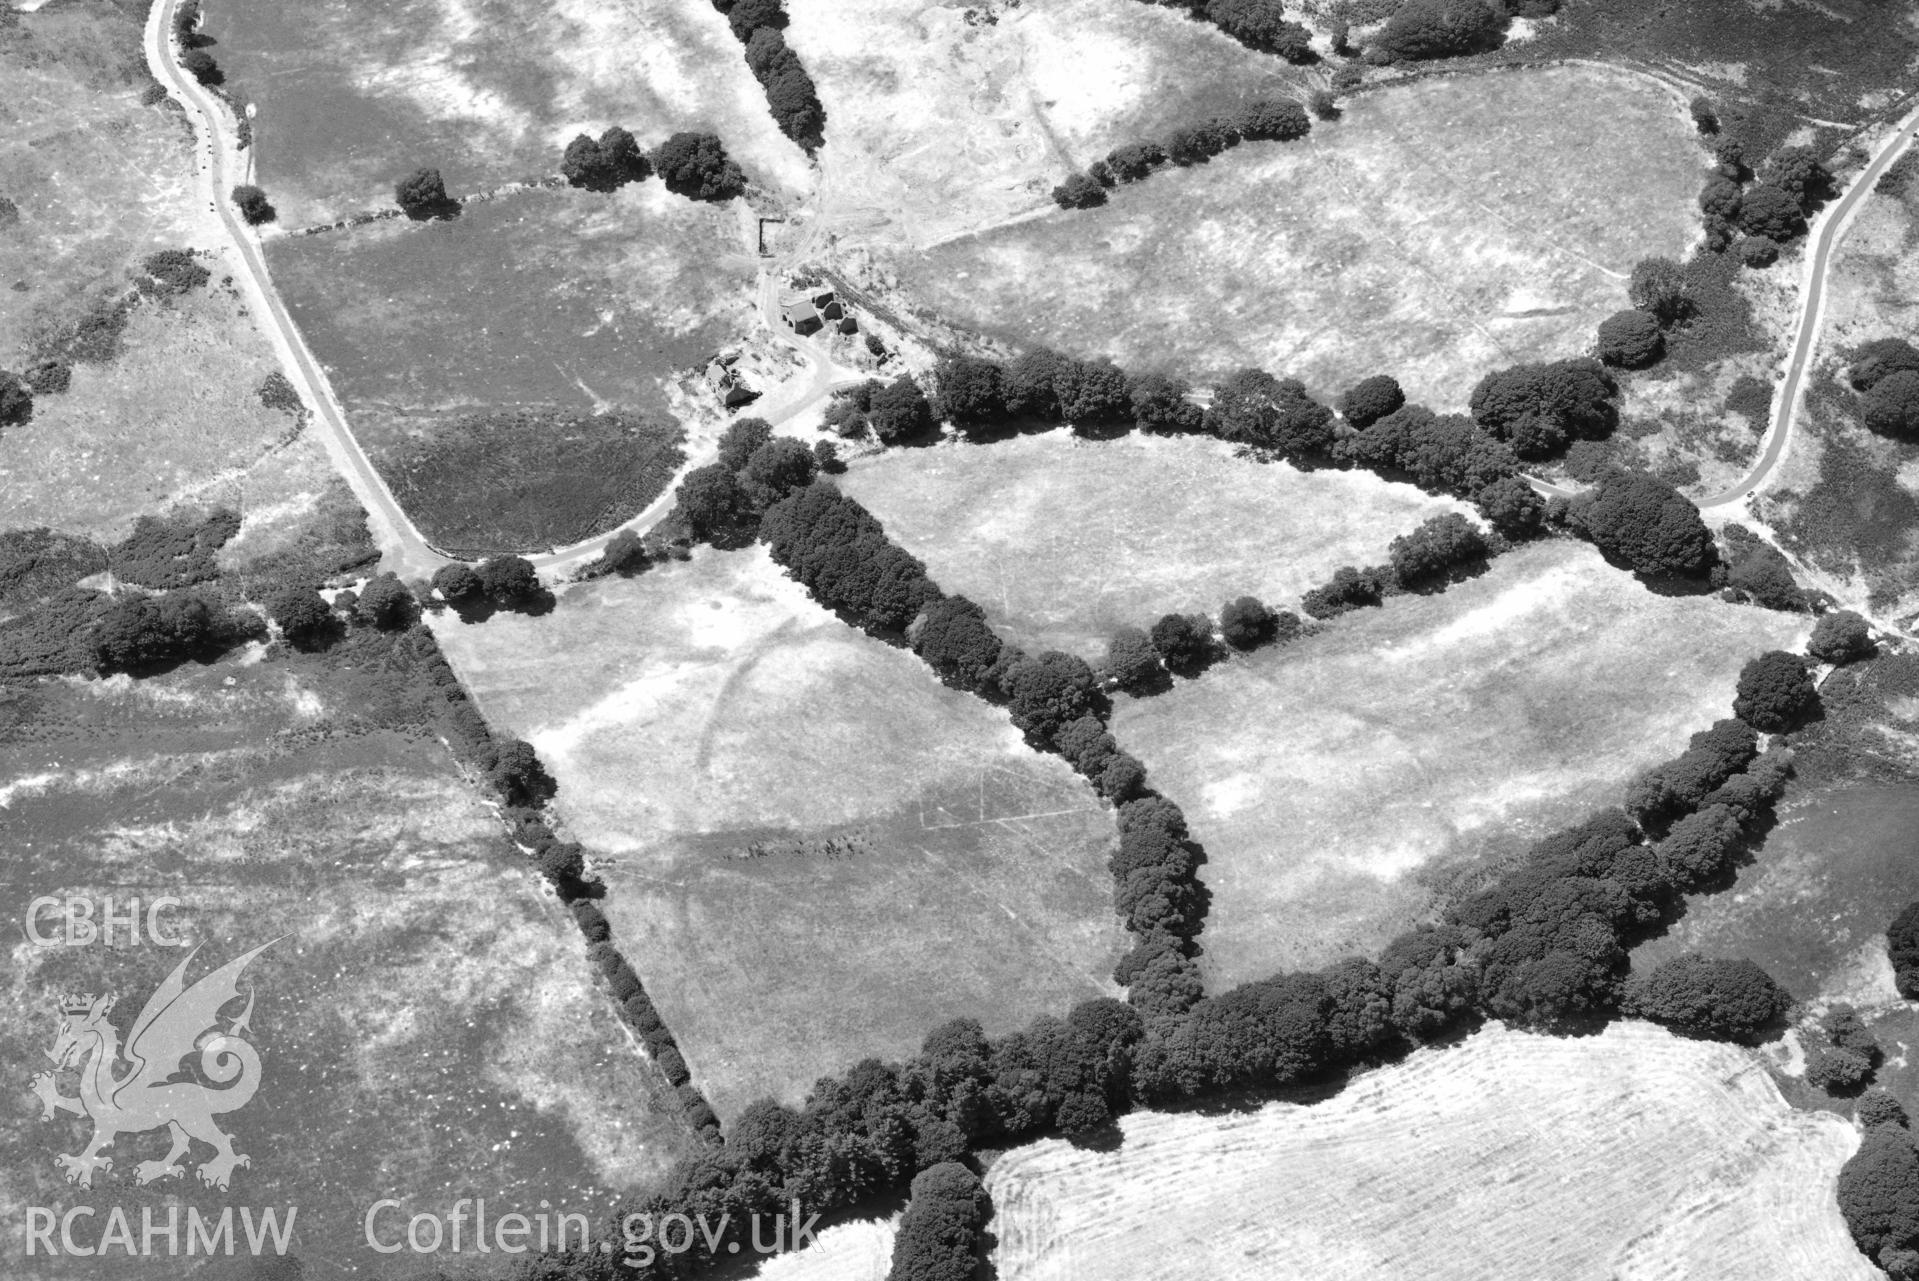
x=1438 y=230
x=1338 y=783
x=1630 y=1154
x=938 y=123
x=586 y=303
x=1063 y=540
x=816 y=852
x=488 y=91
x=98 y=178
x=428 y=1022
x=175 y=418
x=1846 y=497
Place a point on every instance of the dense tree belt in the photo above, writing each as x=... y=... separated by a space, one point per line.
x=759 y=26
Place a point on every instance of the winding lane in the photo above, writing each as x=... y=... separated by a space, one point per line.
x=403 y=549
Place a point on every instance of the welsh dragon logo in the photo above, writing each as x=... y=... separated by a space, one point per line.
x=146 y=1096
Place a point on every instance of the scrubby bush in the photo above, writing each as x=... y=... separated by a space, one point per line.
x=303 y=615
x=1246 y=623
x=1131 y=663
x=138 y=632
x=1841 y=637
x=1435 y=549
x=1441 y=29
x=1159 y=404
x=175 y=271
x=1348 y=590
x=1647 y=524
x=1254 y=408
x=1273 y=120
x=385 y=603
x=1262 y=25
x=1659 y=286
x=695 y=165
x=899 y=411
x=1079 y=191
x=200 y=65
x=1512 y=507
x=422 y=194
x=16 y=402
x=1775 y=691
x=1758 y=251
x=1705 y=116
x=1630 y=339
x=1712 y=999
x=46 y=377
x=253 y=205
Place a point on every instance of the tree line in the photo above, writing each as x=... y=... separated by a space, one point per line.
x=760 y=26
x=1264 y=120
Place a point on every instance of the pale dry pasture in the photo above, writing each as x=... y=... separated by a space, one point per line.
x=350 y=99
x=1626 y=1156
x=815 y=852
x=944 y=119
x=1438 y=230
x=1064 y=540
x=1340 y=783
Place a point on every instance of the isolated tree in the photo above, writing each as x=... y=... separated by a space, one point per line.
x=16 y=402
x=1079 y=191
x=1882 y=356
x=1630 y=339
x=1717 y=1000
x=1841 y=637
x=1132 y=663
x=385 y=603
x=1705 y=117
x=1441 y=29
x=1246 y=623
x=457 y=583
x=1134 y=160
x=582 y=165
x=1892 y=406
x=1273 y=120
x=422 y=194
x=1646 y=523
x=899 y=410
x=1160 y=404
x=1775 y=691
x=302 y=613
x=1766 y=210
x=740 y=439
x=253 y=205
x=695 y=165
x=1371 y=399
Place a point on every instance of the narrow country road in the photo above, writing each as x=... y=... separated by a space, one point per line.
x=402 y=547
x=1823 y=244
